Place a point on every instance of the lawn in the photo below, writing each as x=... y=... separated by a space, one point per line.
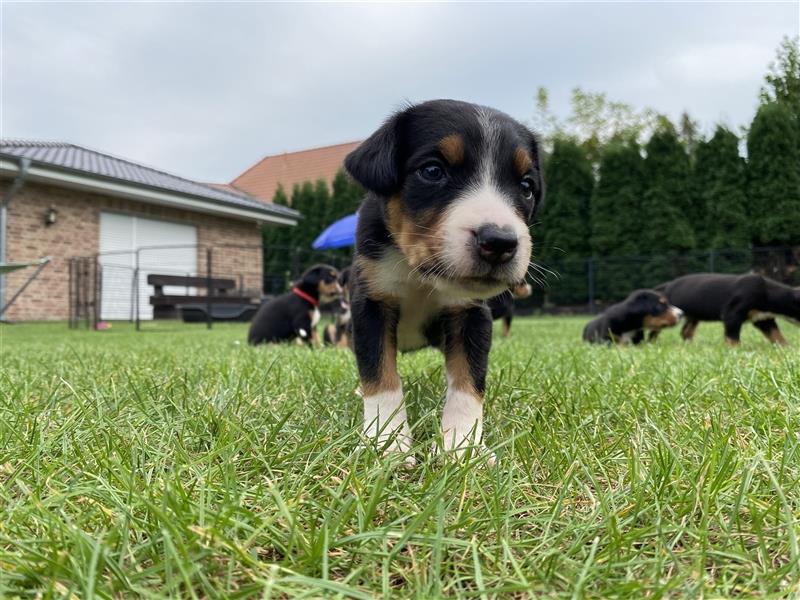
x=180 y=462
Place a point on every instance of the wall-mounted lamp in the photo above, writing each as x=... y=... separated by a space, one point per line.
x=50 y=216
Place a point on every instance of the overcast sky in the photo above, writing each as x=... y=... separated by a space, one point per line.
x=206 y=90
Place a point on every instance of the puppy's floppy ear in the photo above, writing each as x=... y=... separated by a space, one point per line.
x=375 y=164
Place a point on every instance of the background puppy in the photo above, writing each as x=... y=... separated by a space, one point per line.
x=338 y=333
x=295 y=314
x=502 y=306
x=734 y=300
x=624 y=322
x=452 y=190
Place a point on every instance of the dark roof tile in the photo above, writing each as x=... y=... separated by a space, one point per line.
x=77 y=158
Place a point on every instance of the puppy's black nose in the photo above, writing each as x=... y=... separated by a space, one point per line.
x=495 y=245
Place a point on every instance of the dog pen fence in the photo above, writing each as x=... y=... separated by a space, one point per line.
x=157 y=285
x=154 y=286
x=589 y=284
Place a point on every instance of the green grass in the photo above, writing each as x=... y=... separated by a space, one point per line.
x=182 y=463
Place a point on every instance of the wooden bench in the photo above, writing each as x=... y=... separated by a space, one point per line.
x=219 y=292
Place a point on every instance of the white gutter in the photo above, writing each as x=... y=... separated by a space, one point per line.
x=134 y=192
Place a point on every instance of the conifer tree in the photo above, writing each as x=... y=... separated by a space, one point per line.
x=615 y=218
x=666 y=204
x=719 y=188
x=774 y=175
x=667 y=209
x=276 y=239
x=565 y=227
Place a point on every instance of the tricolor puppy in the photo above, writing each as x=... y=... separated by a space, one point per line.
x=295 y=315
x=502 y=306
x=452 y=188
x=338 y=333
x=734 y=300
x=623 y=323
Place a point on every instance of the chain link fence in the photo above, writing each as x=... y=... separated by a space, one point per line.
x=154 y=286
x=589 y=284
x=157 y=285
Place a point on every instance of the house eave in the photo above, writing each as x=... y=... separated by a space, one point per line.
x=121 y=189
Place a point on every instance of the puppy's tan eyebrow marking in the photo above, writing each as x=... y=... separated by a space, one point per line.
x=522 y=161
x=452 y=148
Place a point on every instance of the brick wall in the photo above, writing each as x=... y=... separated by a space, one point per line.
x=77 y=231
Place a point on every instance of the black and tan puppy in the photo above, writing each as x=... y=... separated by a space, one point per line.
x=624 y=322
x=452 y=188
x=294 y=315
x=338 y=333
x=734 y=300
x=502 y=306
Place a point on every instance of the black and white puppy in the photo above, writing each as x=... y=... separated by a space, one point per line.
x=502 y=306
x=626 y=321
x=338 y=333
x=295 y=315
x=452 y=188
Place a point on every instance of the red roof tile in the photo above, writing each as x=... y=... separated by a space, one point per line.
x=262 y=179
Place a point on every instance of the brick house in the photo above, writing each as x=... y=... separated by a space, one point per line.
x=64 y=201
x=292 y=168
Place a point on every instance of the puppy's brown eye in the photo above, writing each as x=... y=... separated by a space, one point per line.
x=431 y=171
x=527 y=188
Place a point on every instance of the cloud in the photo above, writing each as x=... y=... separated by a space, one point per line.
x=205 y=90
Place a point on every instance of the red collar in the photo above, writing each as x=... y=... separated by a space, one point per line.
x=304 y=296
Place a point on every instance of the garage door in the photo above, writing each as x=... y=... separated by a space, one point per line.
x=164 y=247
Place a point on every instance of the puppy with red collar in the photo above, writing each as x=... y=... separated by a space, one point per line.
x=452 y=188
x=295 y=315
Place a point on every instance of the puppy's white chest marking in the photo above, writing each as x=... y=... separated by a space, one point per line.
x=315 y=316
x=416 y=311
x=418 y=302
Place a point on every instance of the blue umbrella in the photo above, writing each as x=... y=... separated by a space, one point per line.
x=339 y=234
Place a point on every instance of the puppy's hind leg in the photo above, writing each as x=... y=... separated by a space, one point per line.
x=688 y=329
x=468 y=340
x=770 y=330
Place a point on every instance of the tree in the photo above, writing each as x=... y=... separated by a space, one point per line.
x=667 y=206
x=277 y=240
x=783 y=79
x=666 y=199
x=689 y=133
x=304 y=201
x=594 y=120
x=565 y=219
x=719 y=193
x=774 y=175
x=615 y=218
x=320 y=215
x=346 y=197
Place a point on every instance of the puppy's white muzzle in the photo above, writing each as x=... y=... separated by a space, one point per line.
x=484 y=239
